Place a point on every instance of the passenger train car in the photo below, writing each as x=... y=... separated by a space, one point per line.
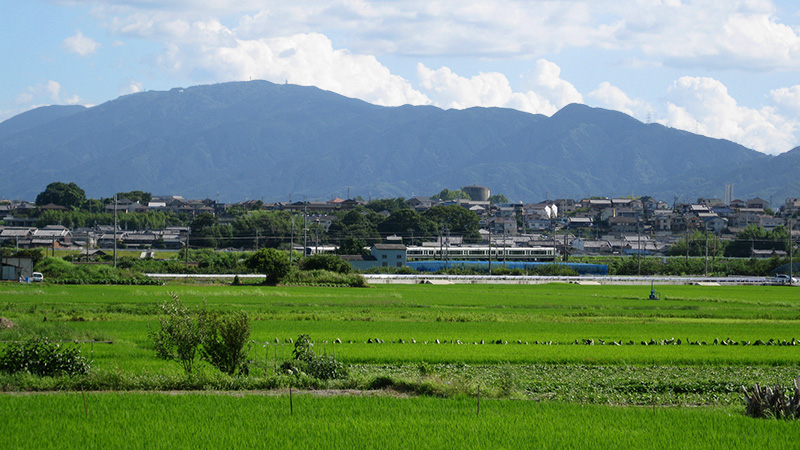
x=481 y=253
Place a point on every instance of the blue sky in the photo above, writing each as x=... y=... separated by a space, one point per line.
x=724 y=68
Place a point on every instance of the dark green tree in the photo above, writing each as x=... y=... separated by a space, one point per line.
x=409 y=224
x=388 y=204
x=273 y=263
x=327 y=262
x=447 y=195
x=66 y=195
x=353 y=246
x=357 y=225
x=136 y=196
x=457 y=219
x=757 y=238
x=498 y=199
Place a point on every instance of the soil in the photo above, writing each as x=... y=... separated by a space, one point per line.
x=6 y=324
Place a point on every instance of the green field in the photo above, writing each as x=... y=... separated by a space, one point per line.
x=536 y=324
x=504 y=341
x=257 y=421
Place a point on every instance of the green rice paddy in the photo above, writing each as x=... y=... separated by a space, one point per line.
x=152 y=421
x=524 y=347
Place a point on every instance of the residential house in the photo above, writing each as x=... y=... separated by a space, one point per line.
x=769 y=223
x=51 y=236
x=623 y=225
x=381 y=255
x=757 y=203
x=18 y=236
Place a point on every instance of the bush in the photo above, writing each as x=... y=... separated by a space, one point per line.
x=43 y=358
x=555 y=270
x=773 y=402
x=273 y=263
x=180 y=333
x=325 y=278
x=225 y=340
x=326 y=367
x=322 y=367
x=323 y=261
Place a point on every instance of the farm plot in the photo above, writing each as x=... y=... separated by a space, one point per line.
x=214 y=420
x=397 y=329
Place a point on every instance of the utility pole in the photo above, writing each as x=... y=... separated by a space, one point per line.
x=447 y=248
x=791 y=256
x=505 y=243
x=687 y=243
x=115 y=231
x=706 y=230
x=305 y=213
x=291 y=242
x=490 y=250
x=188 y=234
x=639 y=247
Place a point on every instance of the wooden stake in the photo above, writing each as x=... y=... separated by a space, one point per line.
x=85 y=406
x=479 y=399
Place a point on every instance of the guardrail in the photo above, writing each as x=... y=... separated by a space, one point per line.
x=515 y=279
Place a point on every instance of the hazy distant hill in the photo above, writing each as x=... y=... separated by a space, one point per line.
x=35 y=117
x=262 y=140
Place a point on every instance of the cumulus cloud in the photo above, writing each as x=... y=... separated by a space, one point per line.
x=787 y=99
x=611 y=97
x=46 y=93
x=131 y=87
x=80 y=44
x=712 y=33
x=545 y=91
x=703 y=105
x=209 y=49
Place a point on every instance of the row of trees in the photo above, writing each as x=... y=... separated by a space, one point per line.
x=353 y=229
x=751 y=238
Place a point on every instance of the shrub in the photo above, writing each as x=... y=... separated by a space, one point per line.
x=322 y=367
x=326 y=367
x=325 y=278
x=323 y=261
x=180 y=334
x=225 y=340
x=773 y=402
x=273 y=263
x=555 y=270
x=43 y=358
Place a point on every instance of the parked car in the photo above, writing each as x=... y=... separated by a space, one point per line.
x=37 y=276
x=785 y=279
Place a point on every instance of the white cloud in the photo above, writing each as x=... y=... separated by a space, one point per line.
x=711 y=33
x=54 y=89
x=46 y=93
x=80 y=44
x=546 y=92
x=787 y=99
x=703 y=105
x=131 y=87
x=209 y=49
x=611 y=97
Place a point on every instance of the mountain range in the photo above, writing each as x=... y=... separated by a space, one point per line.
x=259 y=140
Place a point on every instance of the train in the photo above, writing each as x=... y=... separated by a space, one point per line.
x=474 y=253
x=481 y=253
